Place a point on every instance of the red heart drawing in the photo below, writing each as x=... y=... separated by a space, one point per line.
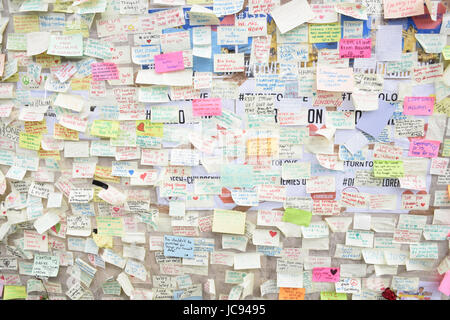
x=140 y=127
x=195 y=198
x=116 y=209
x=43 y=237
x=149 y=40
x=273 y=233
x=422 y=204
x=142 y=176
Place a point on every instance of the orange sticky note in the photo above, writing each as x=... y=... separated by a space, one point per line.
x=291 y=294
x=448 y=189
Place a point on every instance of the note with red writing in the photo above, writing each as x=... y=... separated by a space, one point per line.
x=207 y=107
x=355 y=48
x=104 y=71
x=418 y=106
x=326 y=274
x=402 y=8
x=167 y=62
x=424 y=148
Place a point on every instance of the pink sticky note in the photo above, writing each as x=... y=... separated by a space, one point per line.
x=104 y=71
x=167 y=62
x=207 y=107
x=418 y=106
x=424 y=148
x=355 y=48
x=326 y=274
x=444 y=287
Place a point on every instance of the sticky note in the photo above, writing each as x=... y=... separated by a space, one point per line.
x=182 y=247
x=105 y=128
x=424 y=148
x=104 y=71
x=29 y=141
x=207 y=107
x=355 y=48
x=324 y=32
x=444 y=287
x=149 y=129
x=14 y=292
x=297 y=216
x=418 y=106
x=235 y=175
x=291 y=294
x=324 y=295
x=110 y=226
x=228 y=221
x=388 y=168
x=326 y=274
x=168 y=62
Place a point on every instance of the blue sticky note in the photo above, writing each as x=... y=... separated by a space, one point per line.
x=373 y=122
x=237 y=175
x=181 y=247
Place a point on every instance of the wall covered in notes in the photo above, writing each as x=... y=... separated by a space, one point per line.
x=224 y=149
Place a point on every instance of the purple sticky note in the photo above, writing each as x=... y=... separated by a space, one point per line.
x=373 y=122
x=167 y=62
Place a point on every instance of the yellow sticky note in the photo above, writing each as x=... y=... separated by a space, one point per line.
x=49 y=154
x=324 y=32
x=14 y=292
x=229 y=221
x=105 y=128
x=26 y=23
x=29 y=141
x=148 y=128
x=104 y=174
x=110 y=226
x=81 y=84
x=103 y=241
x=36 y=127
x=388 y=169
x=332 y=296
x=446 y=52
x=61 y=132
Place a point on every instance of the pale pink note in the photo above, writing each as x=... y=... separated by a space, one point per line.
x=355 y=48
x=444 y=287
x=104 y=71
x=418 y=106
x=167 y=62
x=207 y=107
x=424 y=148
x=326 y=274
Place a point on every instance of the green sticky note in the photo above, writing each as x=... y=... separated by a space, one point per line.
x=297 y=216
x=388 y=168
x=15 y=292
x=324 y=295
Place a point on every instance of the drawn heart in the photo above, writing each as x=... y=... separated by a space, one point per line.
x=149 y=40
x=131 y=172
x=333 y=271
x=322 y=16
x=142 y=176
x=141 y=127
x=422 y=204
x=195 y=198
x=273 y=233
x=116 y=209
x=43 y=237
